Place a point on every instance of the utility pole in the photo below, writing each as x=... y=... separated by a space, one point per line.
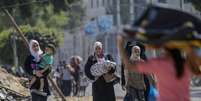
x=118 y=14
x=13 y=38
x=181 y=5
x=17 y=28
x=151 y=2
x=83 y=47
x=74 y=43
x=106 y=42
x=131 y=11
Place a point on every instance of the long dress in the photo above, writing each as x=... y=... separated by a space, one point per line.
x=28 y=67
x=101 y=90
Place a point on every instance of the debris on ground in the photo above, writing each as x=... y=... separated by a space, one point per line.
x=11 y=88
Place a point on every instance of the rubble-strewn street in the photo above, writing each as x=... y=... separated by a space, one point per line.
x=84 y=98
x=11 y=87
x=100 y=50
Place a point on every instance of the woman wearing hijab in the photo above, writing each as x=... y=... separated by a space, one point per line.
x=30 y=64
x=70 y=72
x=34 y=57
x=171 y=70
x=135 y=86
x=101 y=90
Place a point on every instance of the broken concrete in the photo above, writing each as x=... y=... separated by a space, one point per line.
x=11 y=88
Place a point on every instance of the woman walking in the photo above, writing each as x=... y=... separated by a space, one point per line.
x=101 y=90
x=171 y=70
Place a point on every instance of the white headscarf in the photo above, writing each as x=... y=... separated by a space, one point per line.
x=100 y=58
x=36 y=55
x=98 y=44
x=134 y=56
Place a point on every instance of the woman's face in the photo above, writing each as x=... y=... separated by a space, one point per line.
x=35 y=47
x=136 y=51
x=98 y=50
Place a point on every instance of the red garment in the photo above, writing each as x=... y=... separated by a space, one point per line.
x=170 y=87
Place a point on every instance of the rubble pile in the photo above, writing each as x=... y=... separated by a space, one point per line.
x=11 y=88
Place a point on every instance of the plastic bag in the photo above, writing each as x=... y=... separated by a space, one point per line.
x=153 y=94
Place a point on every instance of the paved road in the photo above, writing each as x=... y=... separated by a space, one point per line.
x=196 y=94
x=118 y=90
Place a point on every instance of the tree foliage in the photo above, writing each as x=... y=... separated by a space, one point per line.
x=44 y=37
x=196 y=3
x=54 y=12
x=43 y=20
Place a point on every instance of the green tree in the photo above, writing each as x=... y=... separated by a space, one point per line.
x=31 y=11
x=44 y=37
x=196 y=3
x=43 y=21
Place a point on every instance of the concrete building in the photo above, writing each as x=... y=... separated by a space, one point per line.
x=126 y=11
x=123 y=11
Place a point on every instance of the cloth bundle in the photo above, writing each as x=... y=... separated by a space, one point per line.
x=103 y=69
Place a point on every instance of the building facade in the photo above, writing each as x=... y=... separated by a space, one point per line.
x=123 y=12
